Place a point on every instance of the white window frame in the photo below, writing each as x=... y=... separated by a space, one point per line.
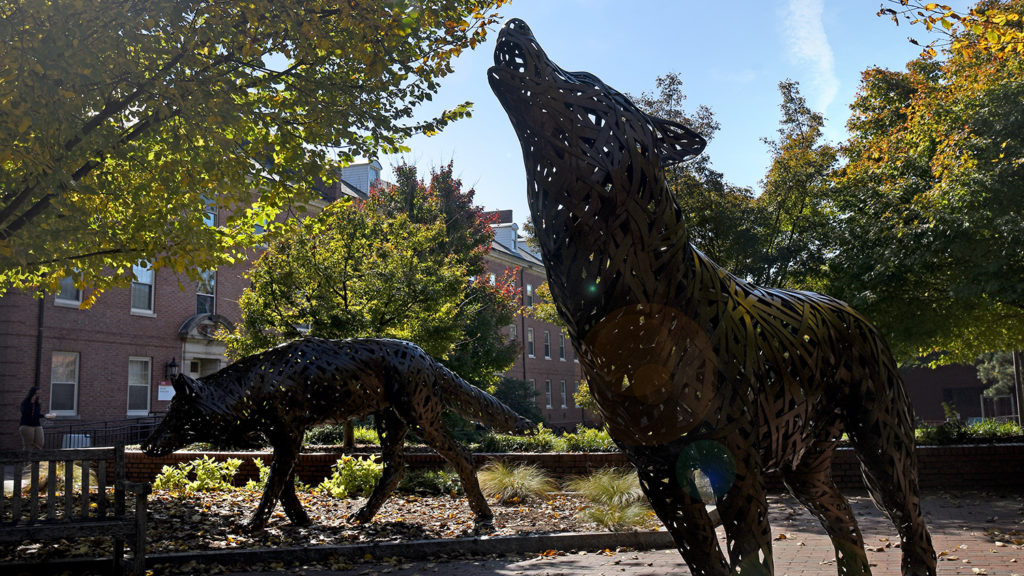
x=512 y=333
x=561 y=346
x=60 y=300
x=529 y=343
x=547 y=393
x=547 y=345
x=139 y=273
x=213 y=296
x=148 y=371
x=74 y=383
x=563 y=392
x=209 y=212
x=529 y=294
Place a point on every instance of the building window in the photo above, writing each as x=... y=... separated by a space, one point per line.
x=561 y=347
x=547 y=393
x=64 y=383
x=547 y=345
x=206 y=291
x=492 y=279
x=563 y=393
x=209 y=212
x=68 y=294
x=142 y=289
x=529 y=294
x=529 y=342
x=139 y=377
x=512 y=333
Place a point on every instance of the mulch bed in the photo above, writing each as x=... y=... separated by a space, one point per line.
x=215 y=521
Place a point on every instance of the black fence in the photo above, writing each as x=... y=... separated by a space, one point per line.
x=101 y=433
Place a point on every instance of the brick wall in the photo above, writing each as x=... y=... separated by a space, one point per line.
x=105 y=336
x=941 y=467
x=540 y=367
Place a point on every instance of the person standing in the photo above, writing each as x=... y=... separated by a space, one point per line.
x=30 y=426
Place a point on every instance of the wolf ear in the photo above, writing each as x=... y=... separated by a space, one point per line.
x=184 y=386
x=675 y=142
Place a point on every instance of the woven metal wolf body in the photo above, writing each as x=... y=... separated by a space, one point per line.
x=280 y=393
x=701 y=377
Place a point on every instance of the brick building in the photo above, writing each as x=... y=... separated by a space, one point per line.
x=547 y=358
x=112 y=362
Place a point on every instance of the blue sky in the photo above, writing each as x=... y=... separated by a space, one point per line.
x=730 y=55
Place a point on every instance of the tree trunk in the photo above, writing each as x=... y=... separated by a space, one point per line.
x=1018 y=385
x=349 y=435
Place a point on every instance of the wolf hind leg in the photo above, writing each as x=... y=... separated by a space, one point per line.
x=883 y=439
x=811 y=483
x=462 y=460
x=392 y=430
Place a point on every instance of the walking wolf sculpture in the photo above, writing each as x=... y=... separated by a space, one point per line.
x=282 y=391
x=693 y=368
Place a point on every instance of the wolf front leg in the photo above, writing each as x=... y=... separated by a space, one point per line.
x=681 y=510
x=281 y=484
x=392 y=430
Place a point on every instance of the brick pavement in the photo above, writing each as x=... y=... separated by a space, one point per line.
x=974 y=534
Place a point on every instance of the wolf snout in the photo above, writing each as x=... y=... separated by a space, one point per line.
x=526 y=427
x=516 y=48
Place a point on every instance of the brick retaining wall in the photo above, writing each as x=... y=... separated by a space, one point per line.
x=940 y=467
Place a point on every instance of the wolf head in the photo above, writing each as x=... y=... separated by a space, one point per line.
x=179 y=427
x=589 y=151
x=194 y=416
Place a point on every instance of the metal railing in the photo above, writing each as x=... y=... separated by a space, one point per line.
x=100 y=433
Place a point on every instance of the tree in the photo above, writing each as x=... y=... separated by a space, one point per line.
x=718 y=214
x=351 y=272
x=928 y=213
x=992 y=26
x=794 y=199
x=480 y=351
x=519 y=395
x=995 y=369
x=372 y=270
x=122 y=122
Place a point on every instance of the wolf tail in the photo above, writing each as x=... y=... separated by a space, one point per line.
x=475 y=404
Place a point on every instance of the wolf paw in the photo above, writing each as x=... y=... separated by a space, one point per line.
x=360 y=516
x=483 y=525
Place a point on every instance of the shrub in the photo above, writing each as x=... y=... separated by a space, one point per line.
x=431 y=482
x=201 y=475
x=982 y=432
x=609 y=486
x=542 y=441
x=264 y=474
x=366 y=435
x=352 y=477
x=615 y=496
x=512 y=484
x=616 y=517
x=334 y=435
x=589 y=440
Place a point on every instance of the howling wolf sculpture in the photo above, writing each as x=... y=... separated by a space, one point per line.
x=279 y=393
x=697 y=372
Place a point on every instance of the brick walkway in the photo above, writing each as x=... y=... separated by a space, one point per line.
x=965 y=530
